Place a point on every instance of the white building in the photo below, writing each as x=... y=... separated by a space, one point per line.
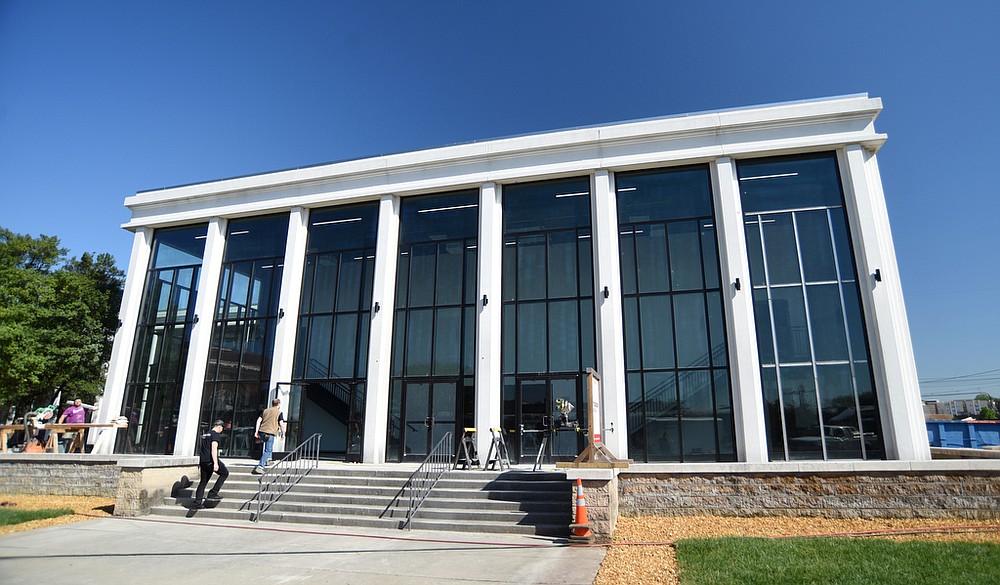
x=731 y=276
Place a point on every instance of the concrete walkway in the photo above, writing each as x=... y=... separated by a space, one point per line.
x=158 y=551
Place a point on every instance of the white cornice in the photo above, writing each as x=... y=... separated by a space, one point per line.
x=757 y=131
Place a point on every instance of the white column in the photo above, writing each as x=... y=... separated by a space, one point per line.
x=744 y=362
x=489 y=377
x=380 y=340
x=895 y=370
x=608 y=313
x=288 y=307
x=128 y=316
x=201 y=339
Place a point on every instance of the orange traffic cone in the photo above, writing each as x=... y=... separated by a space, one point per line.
x=581 y=527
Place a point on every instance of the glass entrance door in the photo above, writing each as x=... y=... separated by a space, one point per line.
x=538 y=415
x=428 y=413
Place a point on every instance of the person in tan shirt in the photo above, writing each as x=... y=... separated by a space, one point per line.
x=271 y=422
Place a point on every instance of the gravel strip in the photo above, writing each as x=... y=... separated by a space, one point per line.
x=643 y=565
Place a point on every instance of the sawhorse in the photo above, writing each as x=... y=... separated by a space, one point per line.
x=497 y=455
x=467 y=449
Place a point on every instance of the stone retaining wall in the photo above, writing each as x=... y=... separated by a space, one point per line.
x=135 y=483
x=969 y=495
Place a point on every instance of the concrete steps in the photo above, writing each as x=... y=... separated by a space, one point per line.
x=515 y=502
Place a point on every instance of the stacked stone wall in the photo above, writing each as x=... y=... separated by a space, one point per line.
x=67 y=479
x=969 y=495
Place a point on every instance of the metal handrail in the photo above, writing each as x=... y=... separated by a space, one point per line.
x=280 y=477
x=423 y=480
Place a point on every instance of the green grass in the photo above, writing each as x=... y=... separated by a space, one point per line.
x=10 y=516
x=840 y=561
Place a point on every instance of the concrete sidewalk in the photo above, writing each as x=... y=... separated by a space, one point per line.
x=155 y=551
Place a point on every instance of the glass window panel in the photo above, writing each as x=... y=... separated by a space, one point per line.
x=696 y=394
x=779 y=244
x=790 y=327
x=651 y=258
x=586 y=263
x=469 y=341
x=318 y=361
x=532 y=341
x=815 y=246
x=450 y=262
x=435 y=218
x=402 y=277
x=564 y=337
x=871 y=425
x=349 y=286
x=717 y=328
x=589 y=350
x=509 y=277
x=471 y=264
x=664 y=194
x=562 y=264
x=179 y=247
x=724 y=416
x=395 y=421
x=691 y=331
x=343 y=228
x=685 y=256
x=531 y=267
x=773 y=414
x=662 y=425
x=301 y=338
x=840 y=414
x=710 y=257
x=626 y=250
x=261 y=237
x=855 y=328
x=549 y=205
x=415 y=428
x=630 y=306
x=398 y=342
x=789 y=182
x=422 y=270
x=754 y=252
x=656 y=326
x=363 y=332
x=448 y=341
x=762 y=320
x=827 y=320
x=636 y=418
x=509 y=337
x=325 y=268
x=419 y=337
x=842 y=243
x=345 y=338
x=369 y=278
x=798 y=390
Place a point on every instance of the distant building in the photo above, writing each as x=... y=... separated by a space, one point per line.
x=730 y=275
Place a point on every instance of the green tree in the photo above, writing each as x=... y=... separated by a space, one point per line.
x=987 y=413
x=984 y=396
x=57 y=320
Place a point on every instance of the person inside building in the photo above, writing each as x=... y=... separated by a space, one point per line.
x=271 y=422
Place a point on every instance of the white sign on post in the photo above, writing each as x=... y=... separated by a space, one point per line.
x=596 y=421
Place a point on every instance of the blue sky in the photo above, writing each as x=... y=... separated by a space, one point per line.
x=101 y=99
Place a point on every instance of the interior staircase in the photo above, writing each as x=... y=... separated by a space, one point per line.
x=512 y=502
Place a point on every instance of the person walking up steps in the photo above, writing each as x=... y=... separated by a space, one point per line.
x=271 y=422
x=210 y=463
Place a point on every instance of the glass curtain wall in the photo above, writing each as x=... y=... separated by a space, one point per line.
x=548 y=315
x=677 y=381
x=433 y=361
x=239 y=360
x=331 y=352
x=159 y=354
x=819 y=397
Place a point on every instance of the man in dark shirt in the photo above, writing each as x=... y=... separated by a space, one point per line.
x=210 y=463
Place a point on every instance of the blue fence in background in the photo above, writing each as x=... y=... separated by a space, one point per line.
x=955 y=433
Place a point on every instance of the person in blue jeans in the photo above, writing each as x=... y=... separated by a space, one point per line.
x=270 y=423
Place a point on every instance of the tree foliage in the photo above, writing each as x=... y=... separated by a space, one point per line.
x=58 y=318
x=987 y=413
